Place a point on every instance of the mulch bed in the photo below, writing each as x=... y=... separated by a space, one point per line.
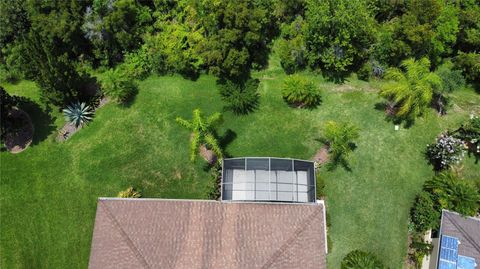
x=68 y=129
x=18 y=141
x=321 y=156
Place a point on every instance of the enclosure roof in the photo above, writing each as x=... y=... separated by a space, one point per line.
x=157 y=233
x=268 y=179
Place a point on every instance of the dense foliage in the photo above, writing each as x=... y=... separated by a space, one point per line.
x=241 y=97
x=7 y=102
x=338 y=35
x=358 y=259
x=423 y=215
x=300 y=92
x=452 y=193
x=469 y=133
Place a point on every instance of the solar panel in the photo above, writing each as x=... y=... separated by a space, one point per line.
x=465 y=262
x=448 y=252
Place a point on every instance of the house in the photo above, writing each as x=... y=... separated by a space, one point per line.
x=265 y=226
x=459 y=238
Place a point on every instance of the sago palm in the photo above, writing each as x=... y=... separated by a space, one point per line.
x=361 y=260
x=203 y=132
x=411 y=90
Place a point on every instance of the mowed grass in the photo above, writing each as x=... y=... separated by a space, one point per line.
x=48 y=193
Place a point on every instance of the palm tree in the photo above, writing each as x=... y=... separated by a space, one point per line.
x=411 y=91
x=203 y=133
x=453 y=193
x=339 y=138
x=361 y=260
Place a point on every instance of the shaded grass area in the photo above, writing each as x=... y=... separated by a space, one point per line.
x=48 y=193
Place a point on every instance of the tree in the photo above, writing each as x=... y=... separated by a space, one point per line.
x=453 y=193
x=203 y=133
x=7 y=102
x=358 y=259
x=411 y=91
x=115 y=27
x=54 y=72
x=468 y=39
x=237 y=35
x=291 y=47
x=339 y=138
x=338 y=36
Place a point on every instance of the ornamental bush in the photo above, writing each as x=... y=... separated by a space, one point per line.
x=301 y=92
x=423 y=214
x=358 y=259
x=241 y=97
x=118 y=86
x=446 y=152
x=469 y=133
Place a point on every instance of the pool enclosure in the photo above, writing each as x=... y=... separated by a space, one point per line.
x=268 y=179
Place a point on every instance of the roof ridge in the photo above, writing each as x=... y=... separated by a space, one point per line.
x=465 y=233
x=125 y=236
x=292 y=239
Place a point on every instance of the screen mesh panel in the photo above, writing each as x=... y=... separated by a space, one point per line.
x=268 y=179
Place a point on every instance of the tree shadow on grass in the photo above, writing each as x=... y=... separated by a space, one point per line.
x=41 y=118
x=390 y=115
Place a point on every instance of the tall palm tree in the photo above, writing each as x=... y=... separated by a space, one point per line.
x=411 y=91
x=203 y=132
x=361 y=260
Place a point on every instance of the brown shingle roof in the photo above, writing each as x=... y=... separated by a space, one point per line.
x=155 y=233
x=466 y=230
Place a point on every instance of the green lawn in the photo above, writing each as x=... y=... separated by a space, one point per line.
x=48 y=192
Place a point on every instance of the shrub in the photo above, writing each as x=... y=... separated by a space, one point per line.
x=469 y=63
x=452 y=79
x=420 y=249
x=358 y=259
x=301 y=92
x=78 y=114
x=423 y=214
x=138 y=64
x=452 y=193
x=130 y=192
x=446 y=152
x=241 y=98
x=469 y=133
x=118 y=86
x=365 y=72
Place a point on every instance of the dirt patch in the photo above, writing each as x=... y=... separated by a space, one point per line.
x=21 y=136
x=321 y=156
x=208 y=155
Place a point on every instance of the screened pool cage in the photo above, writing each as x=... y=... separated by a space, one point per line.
x=268 y=179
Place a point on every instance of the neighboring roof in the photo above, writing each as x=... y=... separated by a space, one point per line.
x=268 y=179
x=466 y=230
x=156 y=233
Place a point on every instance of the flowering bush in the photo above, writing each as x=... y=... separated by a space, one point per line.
x=447 y=151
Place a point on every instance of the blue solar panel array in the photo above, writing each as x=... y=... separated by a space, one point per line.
x=449 y=258
x=448 y=253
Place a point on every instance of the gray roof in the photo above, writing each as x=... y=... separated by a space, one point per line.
x=466 y=230
x=156 y=233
